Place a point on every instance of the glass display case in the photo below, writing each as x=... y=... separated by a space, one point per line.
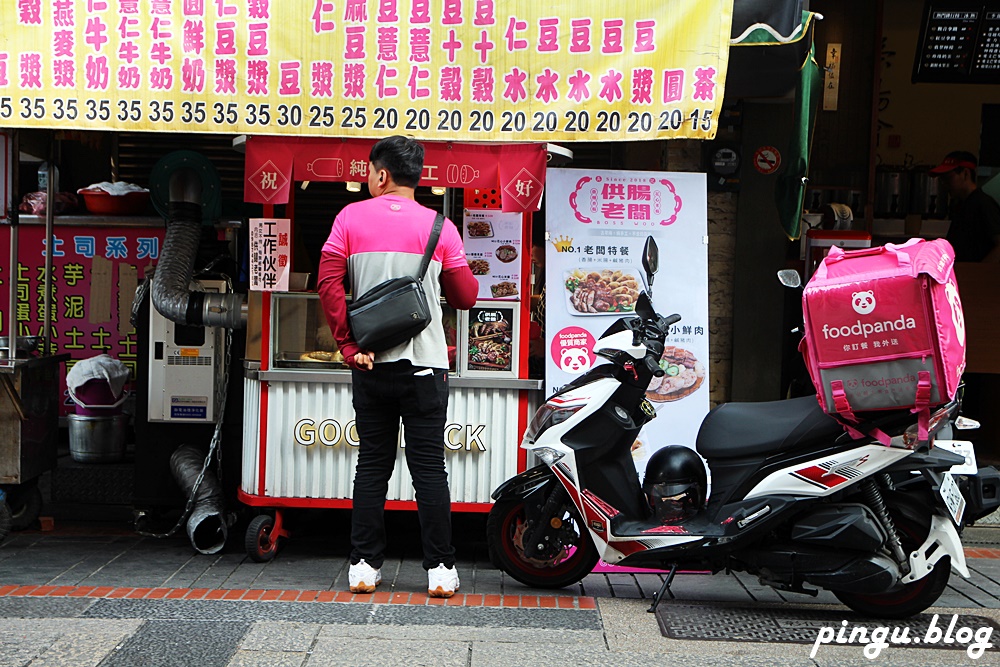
x=301 y=338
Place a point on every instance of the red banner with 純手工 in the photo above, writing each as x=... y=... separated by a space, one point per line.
x=517 y=171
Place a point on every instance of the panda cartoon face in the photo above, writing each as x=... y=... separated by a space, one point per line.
x=574 y=360
x=863 y=302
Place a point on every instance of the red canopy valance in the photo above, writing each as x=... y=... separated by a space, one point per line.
x=517 y=171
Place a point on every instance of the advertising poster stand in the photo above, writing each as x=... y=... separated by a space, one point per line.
x=597 y=222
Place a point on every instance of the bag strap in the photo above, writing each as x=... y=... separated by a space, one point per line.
x=838 y=254
x=921 y=405
x=845 y=415
x=431 y=245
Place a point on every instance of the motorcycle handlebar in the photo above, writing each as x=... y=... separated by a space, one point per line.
x=653 y=365
x=667 y=321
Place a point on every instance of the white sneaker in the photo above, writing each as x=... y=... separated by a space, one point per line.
x=442 y=582
x=363 y=578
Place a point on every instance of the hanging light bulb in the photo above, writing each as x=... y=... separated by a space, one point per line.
x=353 y=186
x=438 y=191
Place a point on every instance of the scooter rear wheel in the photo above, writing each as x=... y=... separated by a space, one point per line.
x=507 y=520
x=913 y=598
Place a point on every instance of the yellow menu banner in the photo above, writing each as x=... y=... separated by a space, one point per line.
x=472 y=70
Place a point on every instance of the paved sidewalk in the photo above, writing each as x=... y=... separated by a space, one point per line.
x=97 y=595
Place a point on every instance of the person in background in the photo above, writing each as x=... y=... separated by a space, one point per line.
x=372 y=241
x=975 y=219
x=975 y=235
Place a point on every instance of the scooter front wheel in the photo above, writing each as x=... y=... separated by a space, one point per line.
x=565 y=562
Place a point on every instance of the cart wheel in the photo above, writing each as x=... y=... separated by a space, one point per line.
x=5 y=520
x=25 y=505
x=258 y=542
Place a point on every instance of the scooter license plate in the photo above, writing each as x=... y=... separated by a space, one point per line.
x=953 y=498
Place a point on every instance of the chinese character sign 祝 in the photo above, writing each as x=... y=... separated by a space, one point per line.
x=597 y=224
x=447 y=69
x=270 y=248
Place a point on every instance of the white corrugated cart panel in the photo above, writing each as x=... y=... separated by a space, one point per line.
x=251 y=435
x=312 y=443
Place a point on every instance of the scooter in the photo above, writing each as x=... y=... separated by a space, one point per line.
x=794 y=499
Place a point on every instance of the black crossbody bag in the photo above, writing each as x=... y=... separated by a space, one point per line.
x=395 y=311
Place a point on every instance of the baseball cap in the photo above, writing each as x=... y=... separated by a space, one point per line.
x=955 y=160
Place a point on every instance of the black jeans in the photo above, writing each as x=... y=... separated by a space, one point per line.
x=382 y=396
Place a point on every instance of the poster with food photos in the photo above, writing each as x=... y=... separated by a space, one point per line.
x=597 y=224
x=491 y=343
x=493 y=248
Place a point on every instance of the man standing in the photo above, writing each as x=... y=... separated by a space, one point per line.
x=975 y=221
x=370 y=242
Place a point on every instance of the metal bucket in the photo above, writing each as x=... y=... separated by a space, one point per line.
x=97 y=439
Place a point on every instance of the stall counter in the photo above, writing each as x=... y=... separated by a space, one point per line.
x=299 y=440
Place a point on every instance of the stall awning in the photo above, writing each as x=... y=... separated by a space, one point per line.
x=516 y=171
x=769 y=42
x=774 y=21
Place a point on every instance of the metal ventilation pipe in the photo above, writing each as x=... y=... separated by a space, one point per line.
x=206 y=527
x=171 y=294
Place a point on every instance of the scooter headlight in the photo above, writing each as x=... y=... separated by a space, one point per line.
x=548 y=456
x=548 y=416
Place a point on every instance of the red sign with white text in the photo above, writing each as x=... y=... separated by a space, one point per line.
x=85 y=323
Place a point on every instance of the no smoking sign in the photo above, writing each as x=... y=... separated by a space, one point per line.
x=767 y=159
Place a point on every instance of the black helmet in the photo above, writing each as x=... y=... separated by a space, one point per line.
x=675 y=483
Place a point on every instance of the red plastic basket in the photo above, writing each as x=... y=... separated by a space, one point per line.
x=100 y=202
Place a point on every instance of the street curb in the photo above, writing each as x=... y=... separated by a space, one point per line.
x=981 y=552
x=260 y=595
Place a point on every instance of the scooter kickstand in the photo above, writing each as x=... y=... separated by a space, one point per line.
x=664 y=588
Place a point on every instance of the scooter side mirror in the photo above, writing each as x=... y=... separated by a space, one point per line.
x=650 y=260
x=644 y=307
x=790 y=278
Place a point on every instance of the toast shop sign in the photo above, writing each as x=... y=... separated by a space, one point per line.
x=332 y=433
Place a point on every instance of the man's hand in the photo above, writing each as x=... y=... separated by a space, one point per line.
x=364 y=361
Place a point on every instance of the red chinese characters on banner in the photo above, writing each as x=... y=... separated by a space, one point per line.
x=79 y=327
x=482 y=70
x=625 y=201
x=269 y=254
x=273 y=163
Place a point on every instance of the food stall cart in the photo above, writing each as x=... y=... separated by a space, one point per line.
x=300 y=444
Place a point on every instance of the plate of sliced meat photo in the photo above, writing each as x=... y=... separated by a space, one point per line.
x=602 y=291
x=682 y=375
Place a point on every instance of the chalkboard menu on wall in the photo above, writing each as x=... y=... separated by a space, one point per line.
x=959 y=42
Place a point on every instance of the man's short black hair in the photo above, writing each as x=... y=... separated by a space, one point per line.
x=402 y=157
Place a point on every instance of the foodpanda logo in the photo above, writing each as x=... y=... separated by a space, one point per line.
x=863 y=302
x=574 y=360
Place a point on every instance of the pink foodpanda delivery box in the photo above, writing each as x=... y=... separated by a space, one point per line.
x=884 y=330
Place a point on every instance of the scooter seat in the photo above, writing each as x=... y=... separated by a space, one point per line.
x=735 y=430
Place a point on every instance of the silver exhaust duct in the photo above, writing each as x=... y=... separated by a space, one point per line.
x=206 y=527
x=171 y=294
